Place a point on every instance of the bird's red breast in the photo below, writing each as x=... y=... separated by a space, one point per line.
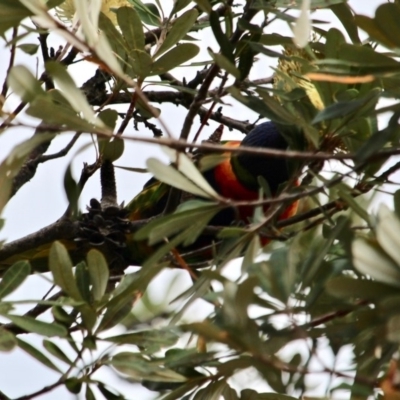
x=229 y=186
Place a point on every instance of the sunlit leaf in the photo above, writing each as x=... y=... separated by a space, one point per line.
x=372 y=261
x=171 y=176
x=387 y=231
x=302 y=28
x=187 y=168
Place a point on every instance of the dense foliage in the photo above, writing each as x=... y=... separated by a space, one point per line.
x=327 y=282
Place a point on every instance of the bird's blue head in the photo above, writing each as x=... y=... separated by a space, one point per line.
x=274 y=170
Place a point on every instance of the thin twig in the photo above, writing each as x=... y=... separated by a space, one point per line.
x=10 y=63
x=59 y=154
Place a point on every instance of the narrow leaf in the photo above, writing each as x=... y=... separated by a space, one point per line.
x=225 y=64
x=14 y=277
x=37 y=355
x=33 y=325
x=180 y=27
x=24 y=84
x=187 y=168
x=223 y=41
x=175 y=58
x=61 y=267
x=131 y=27
x=387 y=232
x=169 y=175
x=54 y=350
x=74 y=96
x=99 y=274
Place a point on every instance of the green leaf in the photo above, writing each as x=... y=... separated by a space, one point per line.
x=74 y=96
x=246 y=61
x=89 y=317
x=344 y=14
x=226 y=47
x=99 y=274
x=274 y=39
x=72 y=191
x=396 y=201
x=7 y=340
x=37 y=355
x=352 y=203
x=179 y=5
x=374 y=143
x=370 y=26
x=387 y=232
x=181 y=26
x=131 y=27
x=54 y=350
x=14 y=277
x=174 y=58
x=197 y=219
x=141 y=63
x=24 y=84
x=249 y=394
x=111 y=150
x=89 y=394
x=137 y=367
x=187 y=168
x=204 y=5
x=369 y=259
x=61 y=316
x=33 y=325
x=74 y=385
x=114 y=37
x=168 y=174
x=61 y=267
x=83 y=281
x=148 y=12
x=350 y=288
x=387 y=18
x=156 y=339
x=343 y=108
x=108 y=394
x=11 y=14
x=55 y=114
x=225 y=64
x=109 y=117
x=29 y=48
x=257 y=105
x=11 y=165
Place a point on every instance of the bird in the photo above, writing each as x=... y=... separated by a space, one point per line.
x=236 y=178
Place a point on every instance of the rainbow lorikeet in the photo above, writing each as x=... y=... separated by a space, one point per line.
x=236 y=178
